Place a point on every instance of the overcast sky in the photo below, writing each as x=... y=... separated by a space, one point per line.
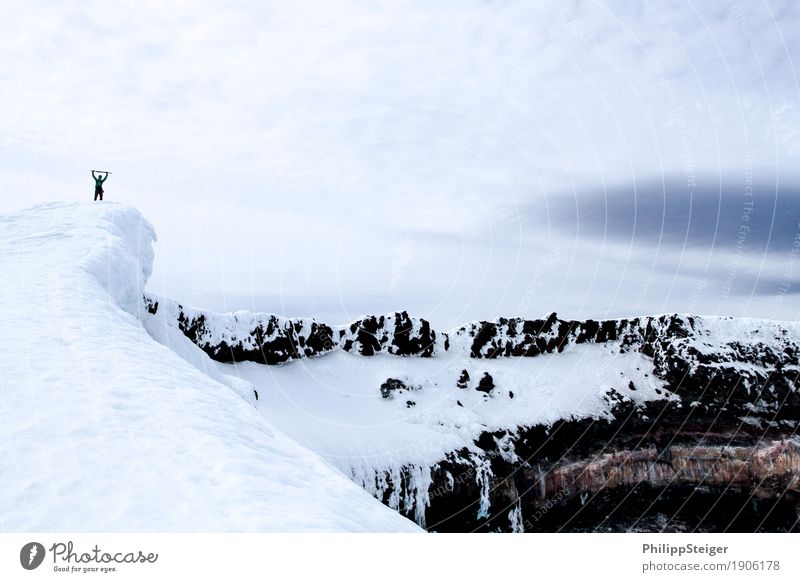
x=338 y=158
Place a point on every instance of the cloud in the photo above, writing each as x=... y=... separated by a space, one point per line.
x=279 y=139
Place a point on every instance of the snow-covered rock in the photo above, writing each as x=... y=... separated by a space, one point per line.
x=397 y=334
x=273 y=339
x=237 y=337
x=493 y=409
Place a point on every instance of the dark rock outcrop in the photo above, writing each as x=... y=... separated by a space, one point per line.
x=394 y=386
x=257 y=337
x=486 y=383
x=656 y=463
x=397 y=334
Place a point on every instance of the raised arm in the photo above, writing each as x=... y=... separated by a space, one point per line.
x=93 y=176
x=105 y=177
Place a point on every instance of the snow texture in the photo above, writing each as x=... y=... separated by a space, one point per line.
x=334 y=406
x=111 y=425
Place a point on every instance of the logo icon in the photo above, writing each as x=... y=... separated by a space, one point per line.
x=31 y=555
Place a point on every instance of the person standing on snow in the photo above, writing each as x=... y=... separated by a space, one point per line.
x=98 y=184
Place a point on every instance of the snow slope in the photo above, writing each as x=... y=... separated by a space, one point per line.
x=103 y=428
x=333 y=404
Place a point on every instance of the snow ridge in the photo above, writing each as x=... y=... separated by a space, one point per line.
x=111 y=422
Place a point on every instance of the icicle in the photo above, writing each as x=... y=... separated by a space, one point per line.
x=419 y=483
x=542 y=485
x=515 y=519
x=483 y=475
x=407 y=488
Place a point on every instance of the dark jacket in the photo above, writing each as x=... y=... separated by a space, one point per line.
x=98 y=181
